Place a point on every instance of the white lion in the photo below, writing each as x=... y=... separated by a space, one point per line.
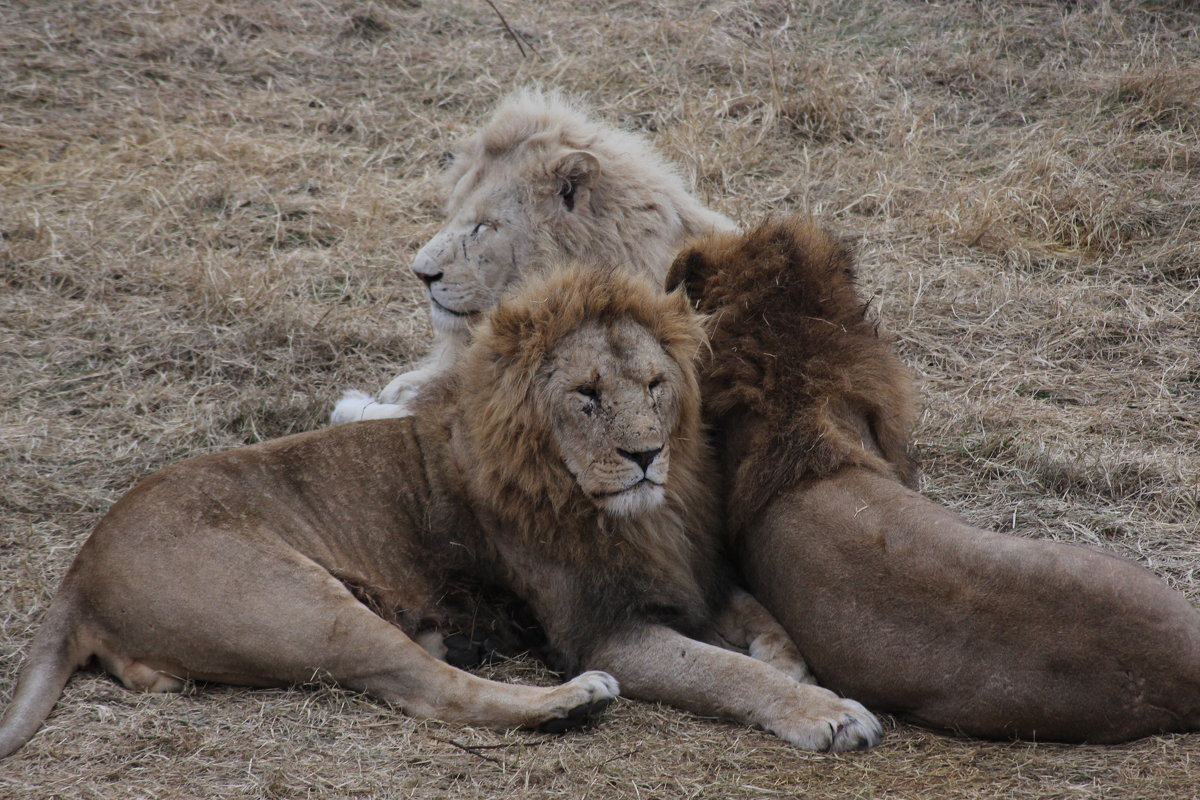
x=540 y=183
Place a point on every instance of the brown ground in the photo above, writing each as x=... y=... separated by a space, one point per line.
x=206 y=213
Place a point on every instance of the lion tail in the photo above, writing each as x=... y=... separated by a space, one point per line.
x=53 y=657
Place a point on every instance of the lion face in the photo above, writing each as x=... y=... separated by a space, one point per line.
x=474 y=257
x=580 y=389
x=497 y=210
x=614 y=395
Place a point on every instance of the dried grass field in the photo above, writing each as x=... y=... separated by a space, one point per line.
x=207 y=210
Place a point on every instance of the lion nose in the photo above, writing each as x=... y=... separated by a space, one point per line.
x=643 y=458
x=425 y=266
x=428 y=277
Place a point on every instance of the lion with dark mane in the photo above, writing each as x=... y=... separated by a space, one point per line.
x=561 y=461
x=890 y=597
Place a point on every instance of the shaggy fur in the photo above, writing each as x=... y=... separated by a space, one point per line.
x=793 y=348
x=542 y=182
x=891 y=597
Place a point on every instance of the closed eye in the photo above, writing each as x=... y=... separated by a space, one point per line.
x=482 y=226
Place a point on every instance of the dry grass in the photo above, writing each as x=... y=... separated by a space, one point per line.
x=206 y=212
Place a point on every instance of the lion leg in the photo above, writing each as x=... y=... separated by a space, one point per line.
x=406 y=385
x=376 y=657
x=405 y=673
x=290 y=621
x=746 y=625
x=656 y=663
x=138 y=676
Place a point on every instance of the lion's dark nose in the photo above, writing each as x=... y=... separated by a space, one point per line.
x=428 y=278
x=643 y=459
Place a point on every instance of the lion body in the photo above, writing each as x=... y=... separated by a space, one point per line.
x=890 y=597
x=542 y=182
x=562 y=463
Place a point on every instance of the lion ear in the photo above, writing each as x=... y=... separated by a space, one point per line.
x=689 y=270
x=575 y=172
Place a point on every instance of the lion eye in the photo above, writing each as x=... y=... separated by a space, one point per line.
x=480 y=226
x=654 y=384
x=589 y=391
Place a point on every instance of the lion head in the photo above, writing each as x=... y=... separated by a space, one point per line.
x=542 y=182
x=582 y=389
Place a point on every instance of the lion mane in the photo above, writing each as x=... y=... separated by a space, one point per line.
x=840 y=396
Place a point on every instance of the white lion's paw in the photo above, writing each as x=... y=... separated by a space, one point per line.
x=356 y=405
x=836 y=726
x=350 y=408
x=406 y=398
x=579 y=700
x=404 y=384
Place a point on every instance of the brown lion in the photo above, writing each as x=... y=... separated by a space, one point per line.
x=892 y=598
x=541 y=182
x=562 y=461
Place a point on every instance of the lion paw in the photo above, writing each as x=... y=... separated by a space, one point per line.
x=404 y=386
x=356 y=405
x=839 y=725
x=586 y=695
x=350 y=408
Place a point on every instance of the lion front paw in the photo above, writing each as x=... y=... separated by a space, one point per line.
x=351 y=407
x=829 y=723
x=579 y=700
x=356 y=405
x=858 y=729
x=405 y=386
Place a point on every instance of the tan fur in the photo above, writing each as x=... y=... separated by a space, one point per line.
x=539 y=468
x=540 y=183
x=890 y=597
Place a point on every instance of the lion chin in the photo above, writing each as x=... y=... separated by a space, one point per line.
x=642 y=497
x=448 y=322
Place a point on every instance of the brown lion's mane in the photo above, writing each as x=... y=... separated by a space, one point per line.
x=791 y=344
x=661 y=565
